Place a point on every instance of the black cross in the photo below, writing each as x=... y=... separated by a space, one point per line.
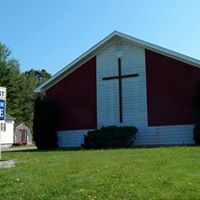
x=120 y=77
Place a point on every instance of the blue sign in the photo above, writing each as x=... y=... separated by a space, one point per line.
x=2 y=109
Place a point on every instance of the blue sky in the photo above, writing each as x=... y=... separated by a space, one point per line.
x=51 y=33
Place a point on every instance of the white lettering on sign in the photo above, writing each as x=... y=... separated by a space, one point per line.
x=2 y=109
x=2 y=93
x=1 y=113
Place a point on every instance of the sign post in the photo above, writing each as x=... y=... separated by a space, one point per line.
x=2 y=109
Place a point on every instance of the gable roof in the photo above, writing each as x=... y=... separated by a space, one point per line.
x=103 y=43
x=21 y=126
x=9 y=117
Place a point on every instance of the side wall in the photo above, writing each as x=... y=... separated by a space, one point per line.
x=145 y=105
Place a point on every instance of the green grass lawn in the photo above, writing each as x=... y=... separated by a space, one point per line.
x=152 y=173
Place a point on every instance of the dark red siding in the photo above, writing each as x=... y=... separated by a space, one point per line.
x=170 y=90
x=75 y=98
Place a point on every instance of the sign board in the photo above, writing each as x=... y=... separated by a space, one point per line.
x=2 y=103
x=2 y=109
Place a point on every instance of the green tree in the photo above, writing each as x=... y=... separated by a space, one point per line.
x=20 y=86
x=39 y=76
x=11 y=79
x=31 y=79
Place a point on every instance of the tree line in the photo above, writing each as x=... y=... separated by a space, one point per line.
x=20 y=86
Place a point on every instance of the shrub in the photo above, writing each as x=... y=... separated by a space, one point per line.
x=44 y=124
x=110 y=137
x=196 y=133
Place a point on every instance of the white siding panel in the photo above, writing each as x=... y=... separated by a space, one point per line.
x=165 y=135
x=133 y=89
x=73 y=138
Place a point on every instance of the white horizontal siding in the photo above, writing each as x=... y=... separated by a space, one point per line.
x=165 y=135
x=73 y=138
x=133 y=89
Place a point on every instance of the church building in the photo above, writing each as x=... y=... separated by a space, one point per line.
x=126 y=81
